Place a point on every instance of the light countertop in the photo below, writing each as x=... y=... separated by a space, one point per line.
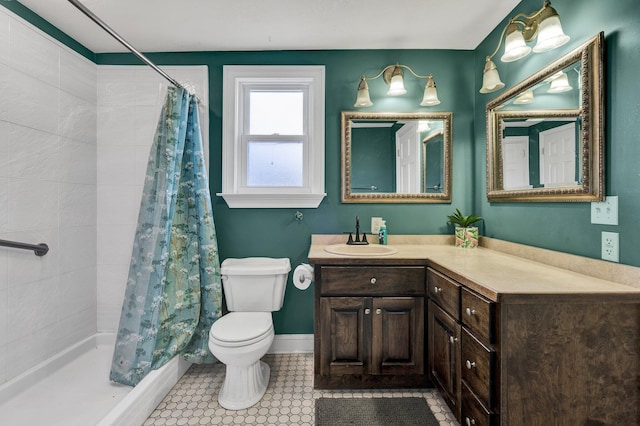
x=499 y=276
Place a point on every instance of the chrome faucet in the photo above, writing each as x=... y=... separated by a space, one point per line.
x=357 y=241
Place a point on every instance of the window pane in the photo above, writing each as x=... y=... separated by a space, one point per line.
x=274 y=163
x=274 y=112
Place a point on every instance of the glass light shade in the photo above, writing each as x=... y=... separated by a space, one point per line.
x=490 y=78
x=363 y=99
x=514 y=46
x=525 y=98
x=430 y=96
x=396 y=84
x=560 y=84
x=550 y=34
x=423 y=126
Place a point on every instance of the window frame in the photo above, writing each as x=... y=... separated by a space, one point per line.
x=238 y=80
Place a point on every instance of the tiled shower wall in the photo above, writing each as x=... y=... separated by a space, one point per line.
x=129 y=103
x=74 y=141
x=47 y=194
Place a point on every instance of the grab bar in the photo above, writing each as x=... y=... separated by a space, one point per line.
x=38 y=249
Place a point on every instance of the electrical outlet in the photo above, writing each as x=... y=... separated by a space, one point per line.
x=605 y=212
x=375 y=225
x=610 y=246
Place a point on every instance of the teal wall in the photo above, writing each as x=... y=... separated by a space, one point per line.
x=567 y=226
x=458 y=74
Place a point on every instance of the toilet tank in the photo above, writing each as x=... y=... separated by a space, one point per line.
x=254 y=284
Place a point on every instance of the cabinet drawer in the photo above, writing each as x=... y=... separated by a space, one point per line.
x=477 y=367
x=444 y=292
x=473 y=412
x=478 y=314
x=372 y=281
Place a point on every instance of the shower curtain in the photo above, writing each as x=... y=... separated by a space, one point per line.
x=173 y=292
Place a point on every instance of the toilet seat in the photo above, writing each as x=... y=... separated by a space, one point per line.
x=241 y=329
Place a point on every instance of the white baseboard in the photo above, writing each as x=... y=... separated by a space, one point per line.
x=291 y=343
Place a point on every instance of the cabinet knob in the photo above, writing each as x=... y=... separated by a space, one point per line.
x=452 y=339
x=373 y=280
x=378 y=311
x=367 y=311
x=469 y=421
x=470 y=364
x=437 y=290
x=470 y=311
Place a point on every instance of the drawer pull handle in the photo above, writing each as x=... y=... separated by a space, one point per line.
x=469 y=421
x=378 y=311
x=470 y=311
x=470 y=364
x=367 y=311
x=437 y=290
x=453 y=339
x=373 y=280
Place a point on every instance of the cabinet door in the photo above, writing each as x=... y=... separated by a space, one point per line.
x=444 y=355
x=344 y=324
x=398 y=336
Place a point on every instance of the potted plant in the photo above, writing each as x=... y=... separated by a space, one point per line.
x=466 y=235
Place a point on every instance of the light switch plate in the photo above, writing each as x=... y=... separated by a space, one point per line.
x=605 y=212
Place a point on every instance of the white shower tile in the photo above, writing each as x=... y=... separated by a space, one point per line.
x=117 y=205
x=115 y=86
x=116 y=165
x=4 y=204
x=77 y=248
x=150 y=87
x=33 y=204
x=4 y=317
x=78 y=162
x=78 y=76
x=23 y=266
x=34 y=154
x=78 y=119
x=109 y=316
x=5 y=28
x=33 y=54
x=31 y=307
x=146 y=121
x=141 y=159
x=115 y=243
x=30 y=102
x=77 y=292
x=30 y=350
x=112 y=282
x=78 y=205
x=4 y=148
x=116 y=125
x=75 y=328
x=4 y=271
x=3 y=363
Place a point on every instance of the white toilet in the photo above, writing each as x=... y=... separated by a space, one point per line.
x=253 y=288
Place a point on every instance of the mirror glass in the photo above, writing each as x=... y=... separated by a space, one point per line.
x=396 y=157
x=544 y=136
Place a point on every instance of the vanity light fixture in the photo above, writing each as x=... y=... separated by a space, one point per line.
x=394 y=77
x=543 y=24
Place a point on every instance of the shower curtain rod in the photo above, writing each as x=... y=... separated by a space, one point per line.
x=122 y=41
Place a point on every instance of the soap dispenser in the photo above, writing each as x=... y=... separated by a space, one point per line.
x=382 y=233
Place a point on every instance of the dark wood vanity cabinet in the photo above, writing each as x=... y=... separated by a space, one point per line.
x=461 y=347
x=370 y=326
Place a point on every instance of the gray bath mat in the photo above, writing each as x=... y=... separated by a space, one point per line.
x=374 y=412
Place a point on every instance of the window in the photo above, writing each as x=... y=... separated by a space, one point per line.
x=273 y=136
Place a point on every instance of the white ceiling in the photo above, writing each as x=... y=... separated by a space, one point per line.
x=210 y=25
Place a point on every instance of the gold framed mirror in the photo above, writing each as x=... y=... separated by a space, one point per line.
x=390 y=157
x=545 y=136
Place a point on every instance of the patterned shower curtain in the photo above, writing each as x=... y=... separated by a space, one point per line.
x=173 y=292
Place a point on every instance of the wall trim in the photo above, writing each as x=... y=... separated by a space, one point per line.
x=292 y=343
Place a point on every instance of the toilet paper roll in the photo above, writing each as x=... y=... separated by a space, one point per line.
x=302 y=276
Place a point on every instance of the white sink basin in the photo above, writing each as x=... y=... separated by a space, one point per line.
x=361 y=250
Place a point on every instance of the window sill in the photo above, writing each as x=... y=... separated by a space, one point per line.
x=272 y=201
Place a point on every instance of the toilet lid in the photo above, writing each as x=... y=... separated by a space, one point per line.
x=238 y=327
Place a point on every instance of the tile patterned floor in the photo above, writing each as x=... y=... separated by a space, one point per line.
x=289 y=399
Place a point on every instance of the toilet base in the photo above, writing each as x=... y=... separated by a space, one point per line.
x=244 y=386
